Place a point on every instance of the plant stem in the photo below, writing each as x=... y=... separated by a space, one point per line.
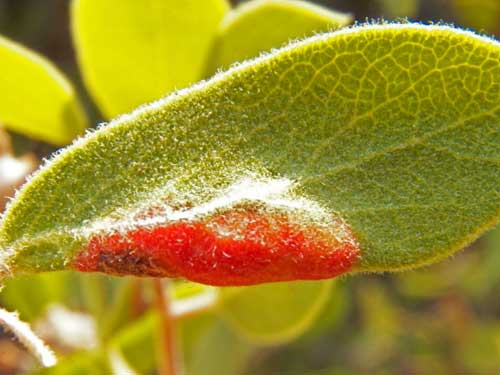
x=138 y=306
x=25 y=335
x=168 y=356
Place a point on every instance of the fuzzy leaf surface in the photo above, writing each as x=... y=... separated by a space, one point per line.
x=132 y=53
x=251 y=28
x=36 y=99
x=395 y=128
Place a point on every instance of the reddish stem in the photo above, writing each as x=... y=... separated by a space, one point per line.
x=138 y=305
x=168 y=356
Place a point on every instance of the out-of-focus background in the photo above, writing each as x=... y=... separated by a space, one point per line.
x=443 y=319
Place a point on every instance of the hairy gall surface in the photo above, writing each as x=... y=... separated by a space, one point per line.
x=239 y=247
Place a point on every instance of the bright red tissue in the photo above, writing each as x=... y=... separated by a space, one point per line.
x=240 y=247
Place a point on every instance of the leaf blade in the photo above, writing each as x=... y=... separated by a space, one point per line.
x=392 y=166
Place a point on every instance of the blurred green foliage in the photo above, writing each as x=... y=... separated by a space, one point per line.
x=442 y=319
x=55 y=115
x=239 y=39
x=164 y=43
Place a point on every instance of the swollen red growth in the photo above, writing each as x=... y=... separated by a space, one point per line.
x=230 y=249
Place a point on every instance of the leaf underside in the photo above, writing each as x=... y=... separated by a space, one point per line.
x=393 y=128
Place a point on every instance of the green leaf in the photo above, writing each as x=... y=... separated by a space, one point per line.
x=136 y=343
x=382 y=324
x=209 y=347
x=121 y=310
x=336 y=309
x=251 y=28
x=218 y=351
x=192 y=333
x=37 y=100
x=131 y=52
x=274 y=313
x=82 y=363
x=393 y=127
x=31 y=295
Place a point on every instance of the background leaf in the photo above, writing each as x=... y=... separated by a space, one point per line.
x=331 y=315
x=83 y=363
x=37 y=100
x=208 y=346
x=31 y=295
x=131 y=52
x=274 y=313
x=394 y=127
x=218 y=351
x=251 y=28
x=136 y=343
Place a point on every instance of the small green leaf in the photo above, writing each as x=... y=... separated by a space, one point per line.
x=131 y=52
x=333 y=313
x=382 y=322
x=394 y=128
x=36 y=99
x=31 y=295
x=251 y=28
x=218 y=351
x=136 y=343
x=274 y=313
x=121 y=309
x=209 y=347
x=192 y=333
x=81 y=363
